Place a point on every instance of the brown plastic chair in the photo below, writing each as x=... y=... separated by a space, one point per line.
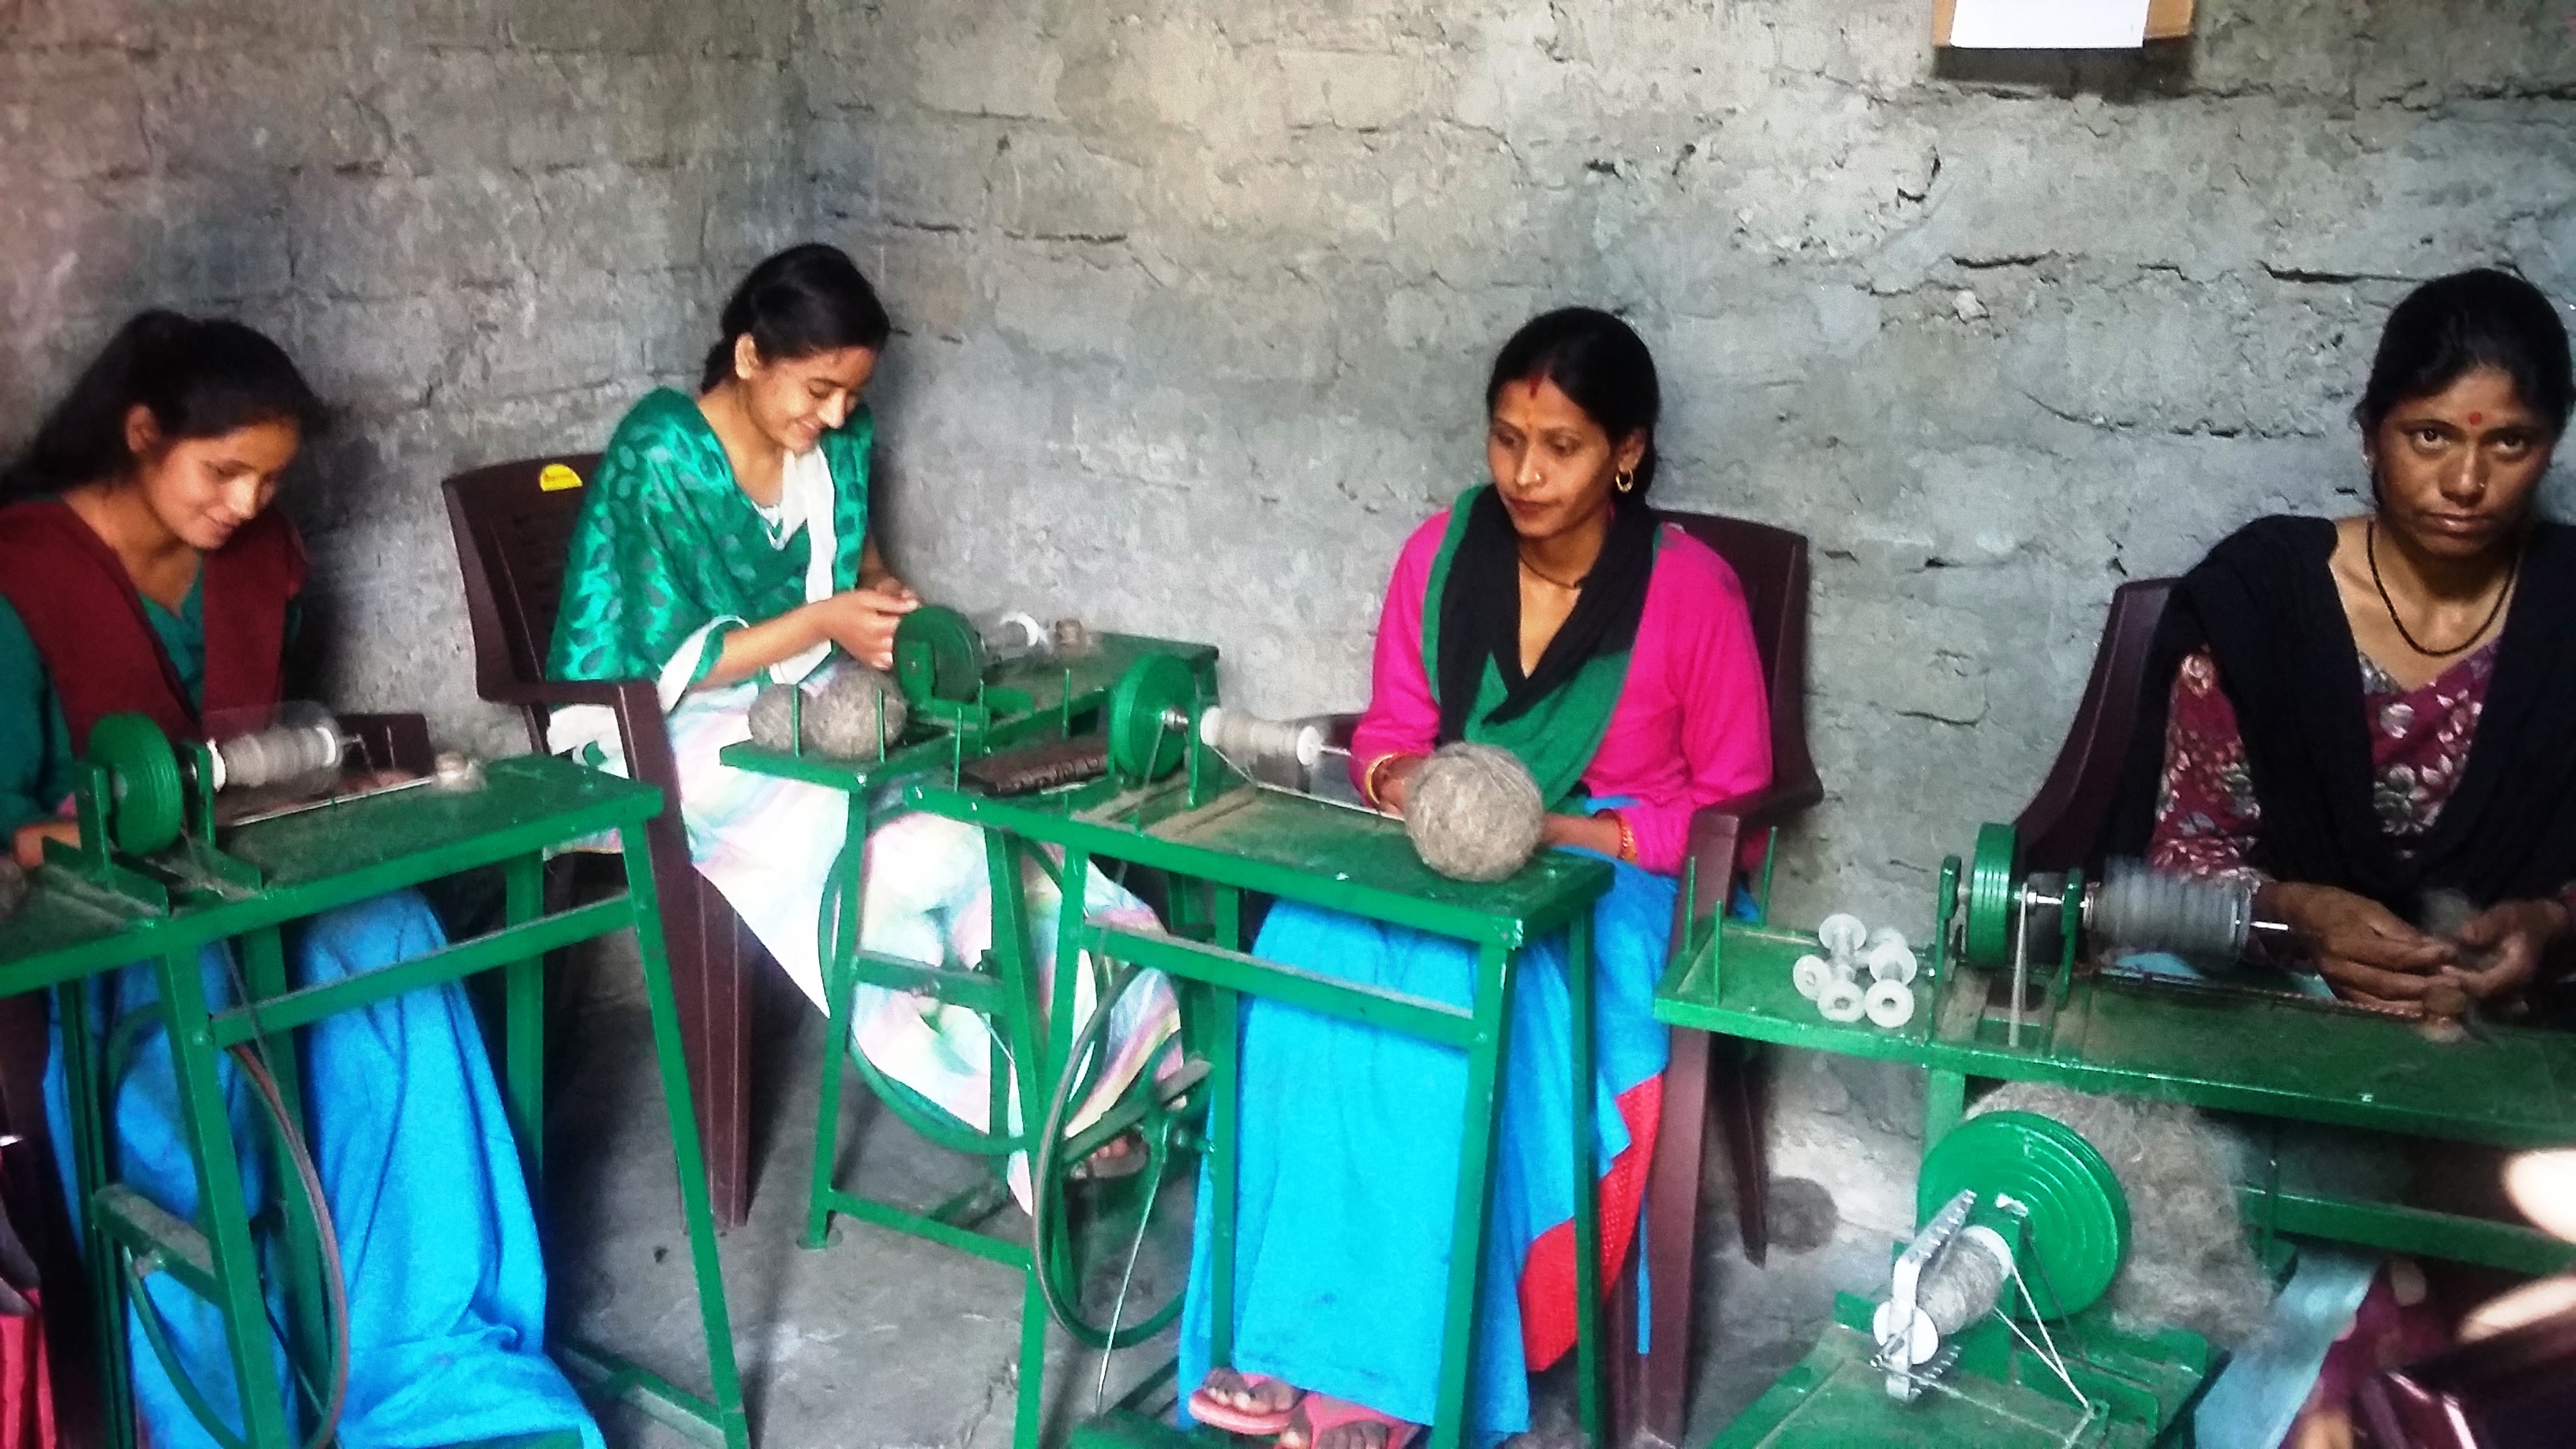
x=511 y=540
x=2060 y=826
x=1716 y=1074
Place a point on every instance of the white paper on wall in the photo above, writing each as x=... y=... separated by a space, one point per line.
x=2048 y=24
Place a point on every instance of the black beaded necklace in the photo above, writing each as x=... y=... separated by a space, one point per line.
x=2370 y=550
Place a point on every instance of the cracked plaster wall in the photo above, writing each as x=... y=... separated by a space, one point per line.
x=482 y=228
x=1195 y=302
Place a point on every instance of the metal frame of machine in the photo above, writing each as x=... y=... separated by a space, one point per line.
x=964 y=709
x=2009 y=998
x=109 y=904
x=1171 y=804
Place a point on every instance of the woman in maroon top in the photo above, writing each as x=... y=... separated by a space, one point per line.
x=2368 y=713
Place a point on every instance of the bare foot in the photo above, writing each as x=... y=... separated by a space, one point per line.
x=1246 y=1393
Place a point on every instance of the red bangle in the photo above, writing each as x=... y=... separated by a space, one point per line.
x=1627 y=837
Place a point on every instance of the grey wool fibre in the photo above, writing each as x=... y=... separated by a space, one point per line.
x=840 y=717
x=1473 y=812
x=2189 y=1265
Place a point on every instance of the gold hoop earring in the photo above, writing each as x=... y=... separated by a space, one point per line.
x=1625 y=481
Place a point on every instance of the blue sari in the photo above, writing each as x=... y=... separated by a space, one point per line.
x=420 y=1169
x=1349 y=1157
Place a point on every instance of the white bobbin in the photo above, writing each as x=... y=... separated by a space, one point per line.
x=1890 y=961
x=1840 y=1001
x=1890 y=1004
x=1810 y=975
x=1842 y=933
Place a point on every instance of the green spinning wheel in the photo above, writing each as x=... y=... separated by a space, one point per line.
x=2075 y=1216
x=1112 y=1246
x=148 y=805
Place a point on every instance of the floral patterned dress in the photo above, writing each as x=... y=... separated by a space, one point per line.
x=2207 y=818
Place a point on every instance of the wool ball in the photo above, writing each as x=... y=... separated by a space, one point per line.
x=1473 y=812
x=13 y=887
x=2189 y=1265
x=840 y=717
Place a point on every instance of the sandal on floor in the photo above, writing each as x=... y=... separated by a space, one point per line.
x=1323 y=1412
x=1218 y=1414
x=1121 y=1156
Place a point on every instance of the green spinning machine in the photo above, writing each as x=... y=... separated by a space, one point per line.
x=1991 y=1334
x=1134 y=767
x=156 y=878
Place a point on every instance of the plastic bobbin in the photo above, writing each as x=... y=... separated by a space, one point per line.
x=1842 y=933
x=1810 y=976
x=1841 y=1000
x=1889 y=1004
x=1889 y=960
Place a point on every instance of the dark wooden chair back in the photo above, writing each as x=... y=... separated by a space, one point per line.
x=2059 y=826
x=511 y=536
x=1772 y=565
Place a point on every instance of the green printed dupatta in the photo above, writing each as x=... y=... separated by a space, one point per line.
x=1555 y=718
x=669 y=549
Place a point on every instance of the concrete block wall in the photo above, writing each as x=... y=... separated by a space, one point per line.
x=482 y=229
x=1195 y=302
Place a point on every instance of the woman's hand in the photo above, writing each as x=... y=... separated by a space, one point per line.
x=2501 y=946
x=29 y=844
x=2362 y=948
x=862 y=621
x=1394 y=778
x=1598 y=833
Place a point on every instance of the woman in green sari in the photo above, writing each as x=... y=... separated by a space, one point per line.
x=725 y=544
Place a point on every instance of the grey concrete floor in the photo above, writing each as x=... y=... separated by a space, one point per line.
x=886 y=1340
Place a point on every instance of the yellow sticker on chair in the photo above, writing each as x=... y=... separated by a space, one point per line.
x=556 y=478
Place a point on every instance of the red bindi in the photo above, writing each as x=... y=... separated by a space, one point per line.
x=2476 y=418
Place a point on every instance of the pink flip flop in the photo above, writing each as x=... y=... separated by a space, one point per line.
x=1218 y=1414
x=1322 y=1412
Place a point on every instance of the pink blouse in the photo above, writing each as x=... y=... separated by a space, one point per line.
x=1692 y=726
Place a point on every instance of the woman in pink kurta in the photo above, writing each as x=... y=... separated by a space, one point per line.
x=1553 y=615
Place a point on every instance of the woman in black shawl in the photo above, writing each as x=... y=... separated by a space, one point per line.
x=2375 y=716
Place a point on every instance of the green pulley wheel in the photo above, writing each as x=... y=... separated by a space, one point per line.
x=937 y=656
x=150 y=804
x=1111 y=1245
x=1144 y=742
x=2077 y=1217
x=1990 y=896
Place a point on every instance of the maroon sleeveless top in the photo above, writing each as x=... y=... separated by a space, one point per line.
x=86 y=618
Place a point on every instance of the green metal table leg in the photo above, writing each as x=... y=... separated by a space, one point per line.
x=1486 y=1053
x=1587 y=1203
x=263 y=962
x=89 y=1100
x=1945 y=1103
x=222 y=1214
x=688 y=1157
x=840 y=989
x=1031 y=1039
x=1224 y=1121
x=523 y=1019
x=1029 y=1422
